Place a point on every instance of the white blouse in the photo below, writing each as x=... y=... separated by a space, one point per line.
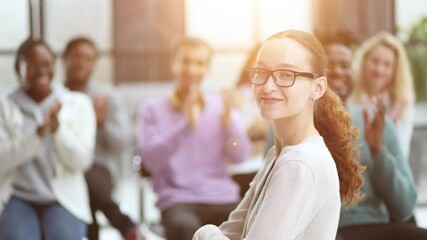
x=295 y=196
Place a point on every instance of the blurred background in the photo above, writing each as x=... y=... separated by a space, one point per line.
x=135 y=37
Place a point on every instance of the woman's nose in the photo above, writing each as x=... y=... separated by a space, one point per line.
x=269 y=84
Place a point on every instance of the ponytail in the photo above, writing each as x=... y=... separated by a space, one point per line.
x=333 y=122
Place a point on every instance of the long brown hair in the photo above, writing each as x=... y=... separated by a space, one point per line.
x=333 y=122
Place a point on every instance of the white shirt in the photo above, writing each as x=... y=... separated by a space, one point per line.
x=295 y=196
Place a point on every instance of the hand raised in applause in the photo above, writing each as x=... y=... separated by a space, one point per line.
x=191 y=106
x=374 y=128
x=51 y=122
x=100 y=105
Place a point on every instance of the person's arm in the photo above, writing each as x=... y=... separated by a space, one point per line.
x=114 y=131
x=238 y=144
x=16 y=151
x=158 y=137
x=15 y=148
x=393 y=178
x=74 y=140
x=289 y=203
x=210 y=232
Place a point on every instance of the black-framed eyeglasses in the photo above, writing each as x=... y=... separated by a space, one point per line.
x=282 y=77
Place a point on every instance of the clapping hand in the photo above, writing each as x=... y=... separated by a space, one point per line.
x=191 y=108
x=51 y=122
x=100 y=104
x=374 y=128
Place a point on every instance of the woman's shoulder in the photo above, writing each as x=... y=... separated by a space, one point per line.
x=312 y=152
x=312 y=158
x=313 y=145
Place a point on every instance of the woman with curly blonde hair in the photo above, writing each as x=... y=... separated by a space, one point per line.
x=383 y=71
x=313 y=166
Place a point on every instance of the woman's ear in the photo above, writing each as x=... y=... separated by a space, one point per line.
x=320 y=85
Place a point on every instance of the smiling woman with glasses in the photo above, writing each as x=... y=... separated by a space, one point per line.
x=312 y=167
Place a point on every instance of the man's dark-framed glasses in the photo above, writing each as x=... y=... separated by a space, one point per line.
x=282 y=77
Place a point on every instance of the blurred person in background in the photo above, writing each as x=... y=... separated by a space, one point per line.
x=383 y=70
x=386 y=212
x=186 y=141
x=80 y=57
x=47 y=138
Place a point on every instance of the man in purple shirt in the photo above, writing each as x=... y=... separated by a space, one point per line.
x=185 y=142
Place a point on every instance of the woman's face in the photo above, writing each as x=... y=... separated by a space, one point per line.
x=38 y=70
x=277 y=102
x=379 y=68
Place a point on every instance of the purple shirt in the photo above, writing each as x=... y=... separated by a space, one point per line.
x=188 y=165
